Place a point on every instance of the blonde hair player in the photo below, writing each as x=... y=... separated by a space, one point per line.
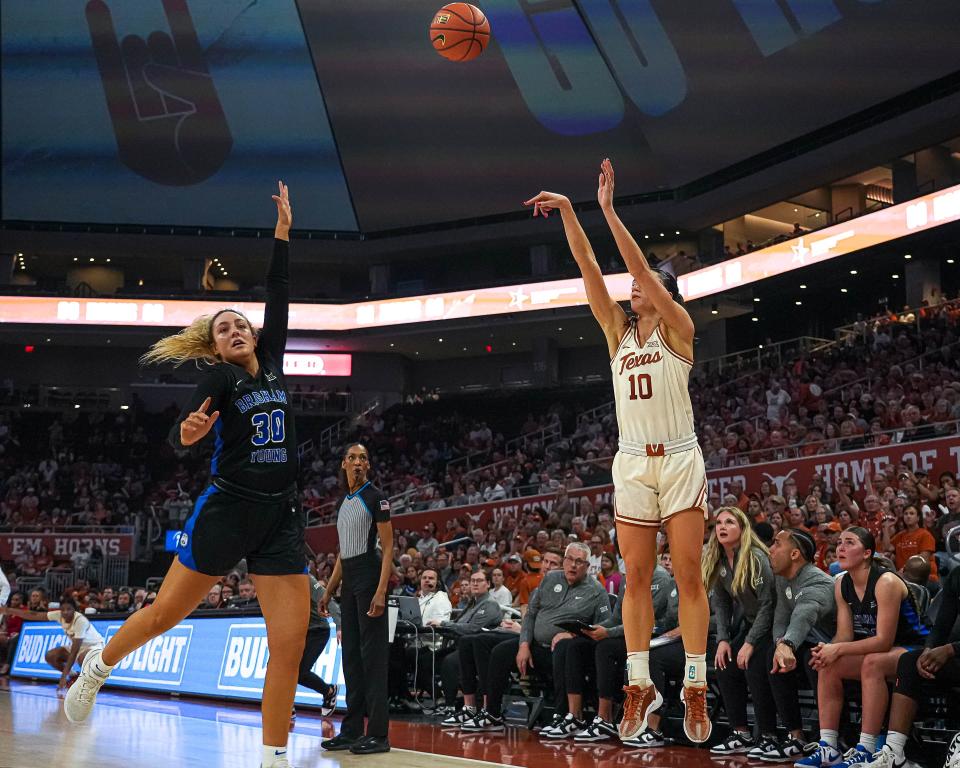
x=250 y=509
x=658 y=472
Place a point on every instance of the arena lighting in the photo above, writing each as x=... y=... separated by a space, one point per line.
x=296 y=364
x=882 y=226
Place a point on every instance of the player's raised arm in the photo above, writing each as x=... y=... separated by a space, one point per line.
x=673 y=314
x=609 y=314
x=273 y=337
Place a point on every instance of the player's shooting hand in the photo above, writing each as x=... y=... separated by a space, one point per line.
x=605 y=185
x=197 y=424
x=167 y=116
x=546 y=202
x=284 y=212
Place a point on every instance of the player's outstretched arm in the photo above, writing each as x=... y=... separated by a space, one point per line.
x=609 y=314
x=275 y=315
x=674 y=315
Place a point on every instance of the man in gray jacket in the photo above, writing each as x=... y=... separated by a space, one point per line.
x=481 y=612
x=564 y=596
x=806 y=614
x=602 y=653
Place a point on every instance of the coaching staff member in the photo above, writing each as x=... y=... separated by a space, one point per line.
x=363 y=515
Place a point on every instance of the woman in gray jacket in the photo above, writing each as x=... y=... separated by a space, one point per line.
x=736 y=567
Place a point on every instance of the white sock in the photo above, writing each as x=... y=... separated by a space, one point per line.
x=695 y=672
x=100 y=667
x=869 y=741
x=830 y=737
x=271 y=755
x=638 y=668
x=897 y=742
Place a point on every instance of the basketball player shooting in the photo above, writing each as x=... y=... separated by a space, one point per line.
x=658 y=473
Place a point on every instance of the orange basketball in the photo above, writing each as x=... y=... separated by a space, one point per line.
x=459 y=31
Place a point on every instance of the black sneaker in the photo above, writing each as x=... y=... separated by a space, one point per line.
x=329 y=701
x=569 y=726
x=552 y=725
x=765 y=744
x=483 y=722
x=598 y=730
x=788 y=751
x=646 y=739
x=736 y=744
x=457 y=718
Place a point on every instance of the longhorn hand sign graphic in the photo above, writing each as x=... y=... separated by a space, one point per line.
x=166 y=113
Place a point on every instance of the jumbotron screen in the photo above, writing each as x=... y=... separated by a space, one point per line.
x=191 y=108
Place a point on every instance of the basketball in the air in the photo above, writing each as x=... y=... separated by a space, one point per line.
x=459 y=31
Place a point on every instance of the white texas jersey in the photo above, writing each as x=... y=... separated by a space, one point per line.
x=650 y=383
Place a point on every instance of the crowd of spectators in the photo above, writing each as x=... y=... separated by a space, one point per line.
x=894 y=378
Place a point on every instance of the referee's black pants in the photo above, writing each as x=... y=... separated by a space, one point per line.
x=365 y=649
x=317 y=639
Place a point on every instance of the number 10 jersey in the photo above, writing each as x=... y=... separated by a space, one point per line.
x=650 y=381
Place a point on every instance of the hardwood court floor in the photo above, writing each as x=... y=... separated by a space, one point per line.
x=130 y=729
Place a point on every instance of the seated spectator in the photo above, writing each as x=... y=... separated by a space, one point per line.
x=804 y=616
x=125 y=602
x=877 y=622
x=566 y=595
x=600 y=654
x=247 y=593
x=609 y=574
x=481 y=612
x=500 y=592
x=212 y=600
x=736 y=568
x=936 y=666
x=912 y=540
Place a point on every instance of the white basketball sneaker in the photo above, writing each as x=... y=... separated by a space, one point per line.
x=82 y=695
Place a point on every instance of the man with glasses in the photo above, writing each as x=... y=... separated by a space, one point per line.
x=563 y=596
x=480 y=612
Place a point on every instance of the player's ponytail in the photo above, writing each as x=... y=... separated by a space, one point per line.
x=195 y=342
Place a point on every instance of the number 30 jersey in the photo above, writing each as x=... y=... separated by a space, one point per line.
x=650 y=386
x=254 y=440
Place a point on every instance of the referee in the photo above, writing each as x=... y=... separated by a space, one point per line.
x=363 y=515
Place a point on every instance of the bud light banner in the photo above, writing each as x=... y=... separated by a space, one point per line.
x=223 y=657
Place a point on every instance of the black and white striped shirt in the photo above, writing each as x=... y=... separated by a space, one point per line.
x=357 y=518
